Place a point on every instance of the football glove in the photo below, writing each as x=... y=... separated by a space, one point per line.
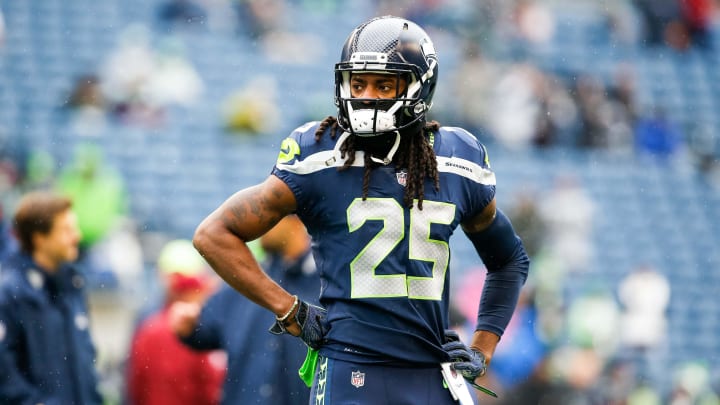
x=465 y=360
x=311 y=319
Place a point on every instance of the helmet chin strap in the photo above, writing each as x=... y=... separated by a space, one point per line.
x=386 y=161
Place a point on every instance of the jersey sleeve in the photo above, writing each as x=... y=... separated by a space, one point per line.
x=301 y=159
x=463 y=154
x=299 y=156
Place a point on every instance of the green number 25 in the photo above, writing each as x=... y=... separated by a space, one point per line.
x=365 y=282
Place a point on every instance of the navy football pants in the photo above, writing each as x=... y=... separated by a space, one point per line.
x=343 y=382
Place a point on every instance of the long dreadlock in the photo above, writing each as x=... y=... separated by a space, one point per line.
x=415 y=154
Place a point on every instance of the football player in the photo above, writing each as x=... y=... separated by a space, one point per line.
x=381 y=190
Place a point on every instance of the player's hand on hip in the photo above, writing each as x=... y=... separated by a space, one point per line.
x=465 y=360
x=308 y=323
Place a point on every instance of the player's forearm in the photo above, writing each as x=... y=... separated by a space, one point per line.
x=507 y=262
x=233 y=261
x=485 y=342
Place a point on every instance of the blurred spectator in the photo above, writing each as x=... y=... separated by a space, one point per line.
x=567 y=210
x=533 y=21
x=124 y=75
x=623 y=90
x=46 y=351
x=644 y=294
x=252 y=109
x=40 y=171
x=87 y=93
x=88 y=104
x=8 y=244
x=160 y=369
x=109 y=248
x=473 y=84
x=557 y=120
x=692 y=385
x=621 y=385
x=657 y=136
x=704 y=148
x=98 y=193
x=181 y=13
x=567 y=375
x=174 y=81
x=622 y=22
x=589 y=92
x=528 y=223
x=258 y=18
x=680 y=24
x=698 y=18
x=606 y=116
x=515 y=106
x=593 y=320
x=656 y=15
x=261 y=369
x=140 y=82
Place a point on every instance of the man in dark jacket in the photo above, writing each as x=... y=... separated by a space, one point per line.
x=261 y=369
x=46 y=352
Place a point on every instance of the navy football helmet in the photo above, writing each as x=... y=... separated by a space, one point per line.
x=388 y=45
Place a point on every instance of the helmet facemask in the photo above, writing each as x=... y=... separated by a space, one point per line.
x=367 y=117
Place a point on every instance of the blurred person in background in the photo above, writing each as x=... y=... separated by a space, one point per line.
x=657 y=136
x=160 y=369
x=46 y=351
x=109 y=248
x=260 y=370
x=567 y=211
x=98 y=193
x=644 y=295
x=173 y=14
x=87 y=105
x=380 y=190
x=8 y=244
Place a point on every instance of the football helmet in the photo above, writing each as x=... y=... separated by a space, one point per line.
x=386 y=45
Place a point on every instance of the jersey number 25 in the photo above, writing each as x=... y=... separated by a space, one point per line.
x=365 y=282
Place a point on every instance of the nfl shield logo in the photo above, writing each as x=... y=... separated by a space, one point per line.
x=401 y=177
x=357 y=379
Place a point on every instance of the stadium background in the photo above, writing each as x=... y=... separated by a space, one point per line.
x=238 y=76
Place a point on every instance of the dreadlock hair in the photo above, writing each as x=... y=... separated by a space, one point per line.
x=415 y=154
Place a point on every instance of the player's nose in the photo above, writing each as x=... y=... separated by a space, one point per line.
x=369 y=92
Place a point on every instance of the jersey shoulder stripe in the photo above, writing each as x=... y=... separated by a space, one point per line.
x=458 y=153
x=467 y=169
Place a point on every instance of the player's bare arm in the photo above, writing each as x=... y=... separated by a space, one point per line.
x=221 y=239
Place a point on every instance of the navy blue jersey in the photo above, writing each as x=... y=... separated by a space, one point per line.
x=383 y=266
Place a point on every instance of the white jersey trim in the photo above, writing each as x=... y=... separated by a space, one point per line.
x=320 y=161
x=326 y=160
x=467 y=169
